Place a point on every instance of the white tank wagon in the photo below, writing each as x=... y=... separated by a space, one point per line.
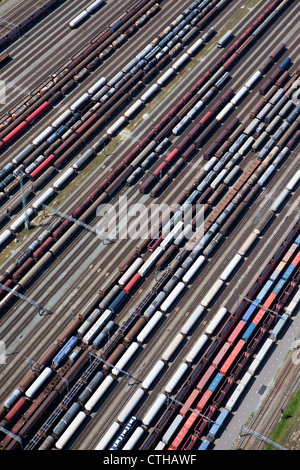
x=153 y=374
x=176 y=378
x=190 y=358
x=218 y=317
x=154 y=409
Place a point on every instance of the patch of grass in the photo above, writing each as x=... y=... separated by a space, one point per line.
x=288 y=422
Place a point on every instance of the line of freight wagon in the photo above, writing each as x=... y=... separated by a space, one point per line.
x=33 y=158
x=172 y=384
x=40 y=103
x=234 y=47
x=228 y=330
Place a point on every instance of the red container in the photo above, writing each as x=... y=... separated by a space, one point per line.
x=184 y=410
x=206 y=118
x=172 y=156
x=131 y=156
x=15 y=133
x=203 y=381
x=227 y=364
x=23 y=269
x=232 y=338
x=16 y=409
x=43 y=167
x=38 y=112
x=132 y=284
x=43 y=248
x=204 y=400
x=160 y=169
x=87 y=124
x=221 y=354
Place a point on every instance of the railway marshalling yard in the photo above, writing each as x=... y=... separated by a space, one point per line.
x=166 y=342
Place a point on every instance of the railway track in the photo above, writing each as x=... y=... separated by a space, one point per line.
x=92 y=259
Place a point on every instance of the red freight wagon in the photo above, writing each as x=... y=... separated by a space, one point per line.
x=232 y=338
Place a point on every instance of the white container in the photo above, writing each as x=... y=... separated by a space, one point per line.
x=218 y=317
x=12 y=398
x=78 y=19
x=157 y=253
x=111 y=131
x=165 y=77
x=193 y=269
x=148 y=94
x=155 y=371
x=293 y=181
x=150 y=415
x=21 y=219
x=71 y=429
x=89 y=336
x=175 y=379
x=132 y=403
x=4 y=236
x=61 y=119
x=224 y=111
x=132 y=109
x=231 y=267
x=113 y=429
x=179 y=62
x=31 y=391
x=280 y=200
x=252 y=126
x=167 y=354
x=172 y=429
x=195 y=46
x=130 y=271
x=238 y=97
x=150 y=325
x=172 y=296
x=248 y=243
x=246 y=146
x=196 y=348
x=79 y=102
x=42 y=136
x=134 y=438
x=63 y=178
x=192 y=320
x=48 y=193
x=245 y=379
x=96 y=87
x=89 y=321
x=253 y=79
x=212 y=293
x=121 y=363
x=234 y=397
x=91 y=403
x=93 y=6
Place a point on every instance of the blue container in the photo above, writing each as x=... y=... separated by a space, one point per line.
x=204 y=445
x=216 y=382
x=285 y=63
x=279 y=286
x=249 y=332
x=250 y=310
x=288 y=272
x=219 y=423
x=118 y=302
x=297 y=241
x=65 y=350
